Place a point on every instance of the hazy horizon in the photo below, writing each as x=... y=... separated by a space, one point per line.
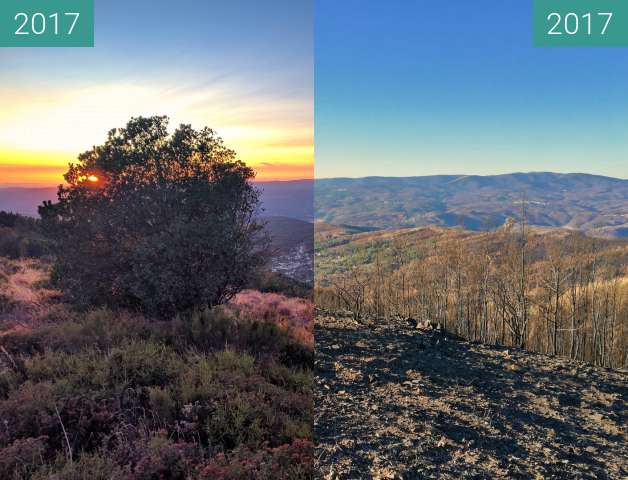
x=459 y=175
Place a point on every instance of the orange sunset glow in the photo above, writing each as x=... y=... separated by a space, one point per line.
x=266 y=117
x=272 y=135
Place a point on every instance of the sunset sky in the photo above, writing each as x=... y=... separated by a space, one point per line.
x=243 y=70
x=409 y=88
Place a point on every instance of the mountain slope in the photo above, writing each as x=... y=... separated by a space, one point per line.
x=594 y=204
x=394 y=401
x=293 y=199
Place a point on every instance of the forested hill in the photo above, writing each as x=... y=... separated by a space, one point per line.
x=594 y=204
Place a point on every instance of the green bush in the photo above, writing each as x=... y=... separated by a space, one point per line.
x=293 y=461
x=71 y=373
x=238 y=420
x=143 y=364
x=162 y=404
x=297 y=380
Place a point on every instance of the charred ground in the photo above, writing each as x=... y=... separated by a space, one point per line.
x=394 y=401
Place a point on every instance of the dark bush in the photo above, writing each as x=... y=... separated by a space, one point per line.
x=28 y=412
x=8 y=219
x=156 y=222
x=274 y=282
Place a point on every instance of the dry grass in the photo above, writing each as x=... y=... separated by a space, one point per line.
x=295 y=315
x=26 y=299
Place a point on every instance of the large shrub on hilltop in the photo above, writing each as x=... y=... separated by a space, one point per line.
x=162 y=223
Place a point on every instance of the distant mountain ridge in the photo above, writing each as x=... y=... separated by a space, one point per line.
x=594 y=204
x=291 y=198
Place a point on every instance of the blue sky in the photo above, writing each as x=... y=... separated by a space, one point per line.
x=420 y=88
x=242 y=67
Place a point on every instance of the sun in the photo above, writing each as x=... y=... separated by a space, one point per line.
x=92 y=178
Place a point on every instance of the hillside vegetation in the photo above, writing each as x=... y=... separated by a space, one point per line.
x=217 y=394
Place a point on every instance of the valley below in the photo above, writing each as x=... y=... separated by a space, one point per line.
x=592 y=204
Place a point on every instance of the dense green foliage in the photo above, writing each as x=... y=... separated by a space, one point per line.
x=156 y=222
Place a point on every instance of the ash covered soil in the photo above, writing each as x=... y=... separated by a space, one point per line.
x=393 y=401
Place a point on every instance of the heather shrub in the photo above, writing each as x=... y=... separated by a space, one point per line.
x=100 y=328
x=157 y=457
x=6 y=302
x=8 y=219
x=196 y=383
x=296 y=429
x=205 y=330
x=22 y=342
x=20 y=236
x=286 y=462
x=27 y=412
x=89 y=422
x=9 y=243
x=238 y=420
x=22 y=457
x=293 y=315
x=6 y=382
x=227 y=401
x=233 y=362
x=254 y=413
x=211 y=330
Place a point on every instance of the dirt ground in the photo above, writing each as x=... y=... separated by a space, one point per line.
x=393 y=401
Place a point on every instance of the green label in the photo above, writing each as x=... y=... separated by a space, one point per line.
x=46 y=23
x=581 y=23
